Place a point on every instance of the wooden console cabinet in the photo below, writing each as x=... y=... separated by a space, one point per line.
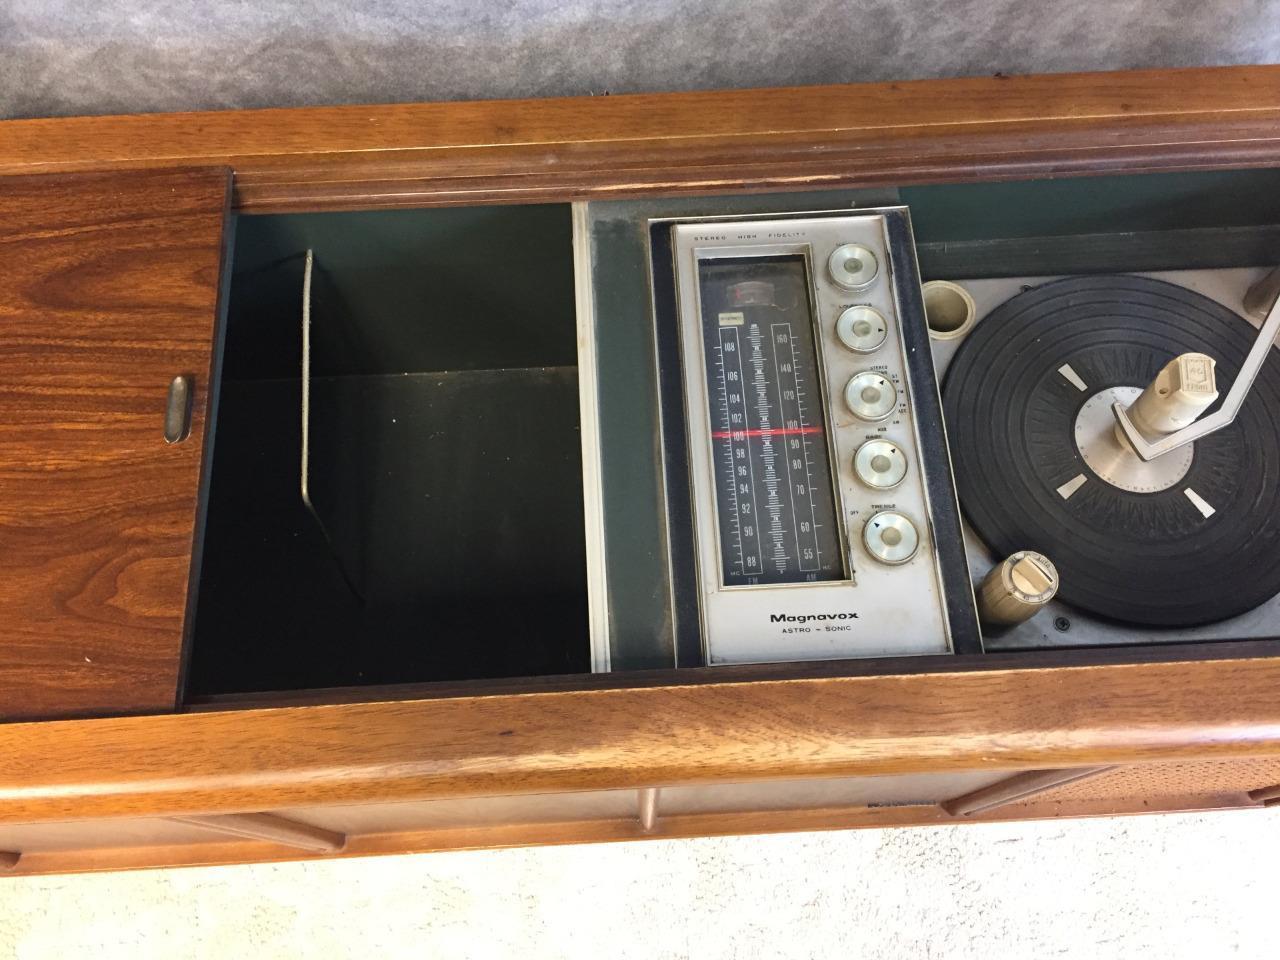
x=113 y=234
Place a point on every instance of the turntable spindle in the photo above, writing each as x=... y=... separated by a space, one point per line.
x=1183 y=390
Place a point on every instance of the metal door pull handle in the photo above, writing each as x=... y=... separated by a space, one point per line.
x=177 y=412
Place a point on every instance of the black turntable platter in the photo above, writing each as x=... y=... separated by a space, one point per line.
x=1193 y=537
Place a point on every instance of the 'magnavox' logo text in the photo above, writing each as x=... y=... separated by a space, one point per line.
x=809 y=617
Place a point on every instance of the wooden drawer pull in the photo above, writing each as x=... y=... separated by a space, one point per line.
x=1015 y=788
x=268 y=826
x=9 y=860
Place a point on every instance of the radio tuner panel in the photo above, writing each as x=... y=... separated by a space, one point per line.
x=823 y=514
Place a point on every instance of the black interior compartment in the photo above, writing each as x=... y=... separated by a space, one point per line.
x=445 y=468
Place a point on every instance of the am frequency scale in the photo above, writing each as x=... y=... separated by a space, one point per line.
x=823 y=514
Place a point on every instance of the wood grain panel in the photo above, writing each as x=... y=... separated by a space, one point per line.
x=582 y=148
x=629 y=737
x=108 y=289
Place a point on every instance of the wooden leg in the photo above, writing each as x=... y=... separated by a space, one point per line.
x=267 y=826
x=648 y=808
x=1015 y=788
x=1266 y=794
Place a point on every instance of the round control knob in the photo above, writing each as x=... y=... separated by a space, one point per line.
x=870 y=396
x=862 y=329
x=880 y=464
x=891 y=538
x=852 y=266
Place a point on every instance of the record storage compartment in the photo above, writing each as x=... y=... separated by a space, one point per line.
x=444 y=539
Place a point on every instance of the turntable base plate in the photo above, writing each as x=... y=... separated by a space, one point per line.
x=1185 y=543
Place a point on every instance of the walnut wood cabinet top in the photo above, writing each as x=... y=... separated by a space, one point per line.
x=708 y=142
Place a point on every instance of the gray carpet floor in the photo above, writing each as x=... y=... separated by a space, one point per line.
x=63 y=57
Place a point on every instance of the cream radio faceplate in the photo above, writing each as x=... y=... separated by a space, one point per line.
x=822 y=512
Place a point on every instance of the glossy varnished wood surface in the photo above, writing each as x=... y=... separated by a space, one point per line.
x=256 y=760
x=729 y=141
x=108 y=289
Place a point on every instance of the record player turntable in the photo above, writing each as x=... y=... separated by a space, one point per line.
x=1081 y=415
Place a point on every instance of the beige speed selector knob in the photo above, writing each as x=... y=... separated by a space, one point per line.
x=1017 y=589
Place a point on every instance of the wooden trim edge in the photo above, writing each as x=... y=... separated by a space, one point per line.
x=251 y=760
x=795 y=138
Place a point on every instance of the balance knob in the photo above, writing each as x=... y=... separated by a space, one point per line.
x=891 y=538
x=1017 y=589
